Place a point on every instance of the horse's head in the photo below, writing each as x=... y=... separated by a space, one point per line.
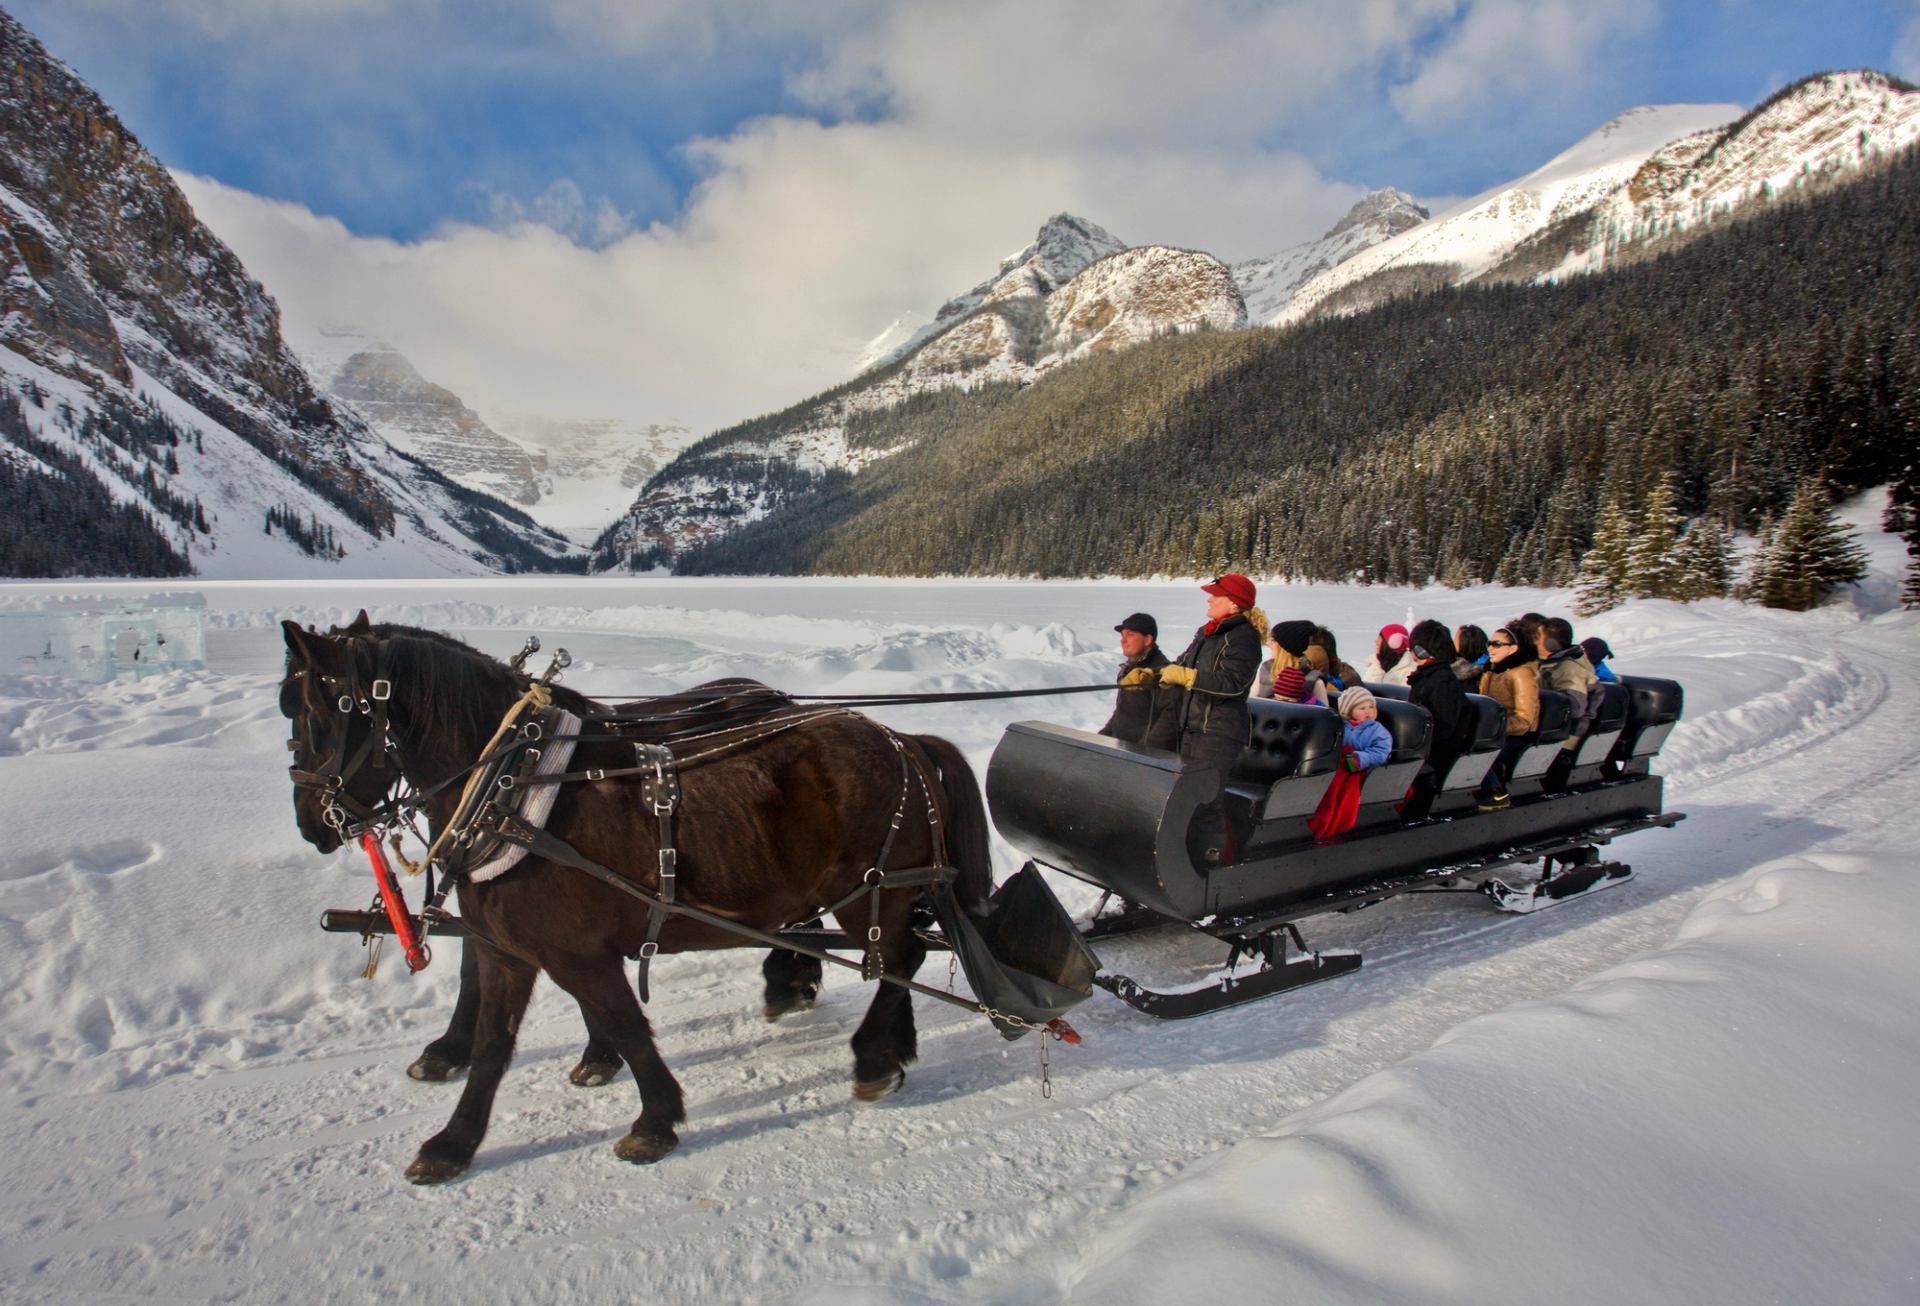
x=336 y=693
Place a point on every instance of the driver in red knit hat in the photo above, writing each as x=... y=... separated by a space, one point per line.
x=1208 y=723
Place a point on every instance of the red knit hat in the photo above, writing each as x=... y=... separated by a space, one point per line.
x=1395 y=635
x=1233 y=586
x=1290 y=685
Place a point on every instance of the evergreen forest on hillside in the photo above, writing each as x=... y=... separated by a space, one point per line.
x=1467 y=433
x=61 y=520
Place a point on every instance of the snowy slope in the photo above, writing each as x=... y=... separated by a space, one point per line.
x=1064 y=245
x=1268 y=284
x=1477 y=233
x=1695 y=1087
x=1821 y=131
x=1055 y=302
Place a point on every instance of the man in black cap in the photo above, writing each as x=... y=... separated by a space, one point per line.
x=1133 y=706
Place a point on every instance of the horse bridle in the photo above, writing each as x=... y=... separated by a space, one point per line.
x=342 y=811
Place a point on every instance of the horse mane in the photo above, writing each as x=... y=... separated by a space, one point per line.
x=453 y=690
x=456 y=682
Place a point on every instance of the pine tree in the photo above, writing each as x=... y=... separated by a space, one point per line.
x=1597 y=587
x=1704 y=560
x=1652 y=564
x=1808 y=555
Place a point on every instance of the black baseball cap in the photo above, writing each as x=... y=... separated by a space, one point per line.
x=1141 y=623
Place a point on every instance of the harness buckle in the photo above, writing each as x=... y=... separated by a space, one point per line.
x=597 y=773
x=648 y=949
x=873 y=934
x=382 y=690
x=346 y=703
x=531 y=730
x=669 y=863
x=505 y=782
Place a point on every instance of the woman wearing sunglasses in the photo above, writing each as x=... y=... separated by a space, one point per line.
x=1512 y=679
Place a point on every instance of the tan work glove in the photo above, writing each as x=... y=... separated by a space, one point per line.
x=1139 y=678
x=1176 y=675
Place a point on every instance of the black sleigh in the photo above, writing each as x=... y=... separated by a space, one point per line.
x=1120 y=817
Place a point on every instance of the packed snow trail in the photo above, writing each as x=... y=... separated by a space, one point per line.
x=201 y=1102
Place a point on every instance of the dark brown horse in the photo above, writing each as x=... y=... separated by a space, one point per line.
x=771 y=830
x=792 y=979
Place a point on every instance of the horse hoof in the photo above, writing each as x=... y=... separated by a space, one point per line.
x=645 y=1149
x=872 y=1090
x=429 y=1170
x=431 y=1069
x=787 y=1006
x=592 y=1074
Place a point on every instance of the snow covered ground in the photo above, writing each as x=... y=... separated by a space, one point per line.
x=1696 y=1087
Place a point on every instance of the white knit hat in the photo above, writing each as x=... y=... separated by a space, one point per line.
x=1355 y=696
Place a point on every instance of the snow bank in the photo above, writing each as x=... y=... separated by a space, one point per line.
x=1694 y=1087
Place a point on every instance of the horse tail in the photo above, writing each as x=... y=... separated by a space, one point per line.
x=966 y=831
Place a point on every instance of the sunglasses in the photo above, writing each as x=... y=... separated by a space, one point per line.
x=1501 y=643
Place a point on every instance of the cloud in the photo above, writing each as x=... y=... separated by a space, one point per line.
x=1502 y=49
x=923 y=142
x=1906 y=49
x=561 y=207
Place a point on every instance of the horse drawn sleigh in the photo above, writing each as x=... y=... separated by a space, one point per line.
x=579 y=835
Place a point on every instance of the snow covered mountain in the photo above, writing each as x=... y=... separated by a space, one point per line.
x=150 y=397
x=1648 y=178
x=572 y=475
x=1064 y=247
x=1268 y=284
x=1818 y=131
x=1074 y=292
x=586 y=469
x=426 y=420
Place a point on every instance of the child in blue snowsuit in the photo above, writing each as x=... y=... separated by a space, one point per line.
x=1369 y=740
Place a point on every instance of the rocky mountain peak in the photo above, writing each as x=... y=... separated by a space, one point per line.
x=1387 y=209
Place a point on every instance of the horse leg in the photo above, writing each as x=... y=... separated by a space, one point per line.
x=603 y=993
x=449 y=1054
x=599 y=1060
x=505 y=984
x=793 y=982
x=885 y=1044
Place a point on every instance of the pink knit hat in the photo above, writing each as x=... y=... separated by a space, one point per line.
x=1395 y=635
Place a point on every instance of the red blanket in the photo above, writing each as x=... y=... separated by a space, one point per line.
x=1340 y=805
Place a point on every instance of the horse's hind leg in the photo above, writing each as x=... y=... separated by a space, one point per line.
x=886 y=1043
x=505 y=984
x=793 y=982
x=603 y=993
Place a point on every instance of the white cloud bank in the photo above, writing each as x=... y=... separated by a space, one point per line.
x=956 y=129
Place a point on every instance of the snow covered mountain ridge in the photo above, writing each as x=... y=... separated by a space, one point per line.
x=1076 y=291
x=1649 y=177
x=154 y=417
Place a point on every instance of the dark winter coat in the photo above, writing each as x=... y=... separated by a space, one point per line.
x=1211 y=720
x=1434 y=686
x=1133 y=708
x=1515 y=685
x=1569 y=672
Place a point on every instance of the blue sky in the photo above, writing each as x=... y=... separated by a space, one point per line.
x=697 y=210
x=399 y=118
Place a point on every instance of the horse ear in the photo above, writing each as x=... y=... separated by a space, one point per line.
x=296 y=639
x=360 y=624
